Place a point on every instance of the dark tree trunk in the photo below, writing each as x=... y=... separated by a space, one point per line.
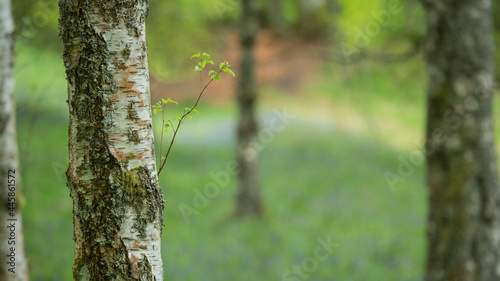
x=117 y=200
x=496 y=22
x=462 y=171
x=13 y=263
x=248 y=200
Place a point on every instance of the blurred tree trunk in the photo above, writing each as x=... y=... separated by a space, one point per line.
x=117 y=200
x=496 y=21
x=462 y=169
x=248 y=200
x=13 y=265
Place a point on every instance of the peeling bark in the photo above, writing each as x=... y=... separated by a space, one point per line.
x=117 y=200
x=248 y=200
x=462 y=171
x=9 y=158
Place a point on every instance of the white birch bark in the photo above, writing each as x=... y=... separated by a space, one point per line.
x=11 y=238
x=112 y=177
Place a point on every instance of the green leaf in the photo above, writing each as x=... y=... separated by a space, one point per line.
x=195 y=110
x=210 y=72
x=209 y=61
x=155 y=110
x=159 y=131
x=196 y=55
x=229 y=71
x=221 y=65
x=166 y=131
x=197 y=68
x=216 y=76
x=166 y=125
x=171 y=100
x=206 y=55
x=190 y=117
x=164 y=101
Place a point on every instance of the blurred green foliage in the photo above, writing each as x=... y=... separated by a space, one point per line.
x=36 y=22
x=39 y=79
x=369 y=24
x=175 y=30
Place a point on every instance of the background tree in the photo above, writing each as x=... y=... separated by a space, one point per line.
x=9 y=158
x=462 y=171
x=117 y=200
x=248 y=199
x=496 y=22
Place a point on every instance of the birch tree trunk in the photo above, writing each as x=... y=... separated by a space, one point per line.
x=462 y=171
x=13 y=263
x=248 y=200
x=117 y=200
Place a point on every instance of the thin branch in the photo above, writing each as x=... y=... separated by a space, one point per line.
x=182 y=120
x=161 y=136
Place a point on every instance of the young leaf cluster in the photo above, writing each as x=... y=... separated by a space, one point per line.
x=174 y=124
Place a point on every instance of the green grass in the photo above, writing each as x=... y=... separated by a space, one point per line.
x=313 y=186
x=322 y=176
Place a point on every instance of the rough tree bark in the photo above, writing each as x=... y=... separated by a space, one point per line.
x=13 y=265
x=248 y=199
x=462 y=171
x=117 y=200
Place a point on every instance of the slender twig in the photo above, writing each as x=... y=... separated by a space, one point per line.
x=201 y=81
x=182 y=120
x=161 y=135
